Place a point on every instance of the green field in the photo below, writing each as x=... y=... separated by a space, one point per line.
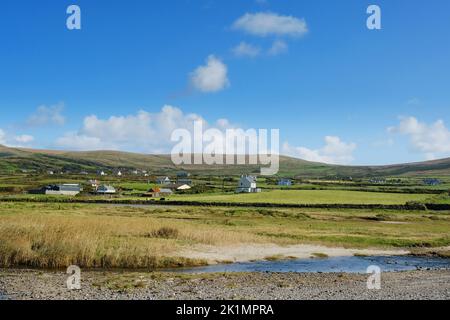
x=308 y=197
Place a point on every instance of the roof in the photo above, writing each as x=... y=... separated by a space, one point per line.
x=107 y=187
x=64 y=187
x=250 y=179
x=177 y=186
x=183 y=174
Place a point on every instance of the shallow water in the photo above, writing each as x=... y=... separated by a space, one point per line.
x=330 y=265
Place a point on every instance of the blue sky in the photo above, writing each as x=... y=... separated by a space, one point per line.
x=338 y=92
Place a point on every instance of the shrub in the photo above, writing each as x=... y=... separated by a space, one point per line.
x=166 y=233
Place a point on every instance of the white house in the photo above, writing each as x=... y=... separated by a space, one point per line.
x=104 y=189
x=247 y=184
x=163 y=180
x=119 y=174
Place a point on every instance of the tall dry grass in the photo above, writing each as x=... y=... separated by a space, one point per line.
x=44 y=239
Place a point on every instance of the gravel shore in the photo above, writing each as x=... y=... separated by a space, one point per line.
x=99 y=285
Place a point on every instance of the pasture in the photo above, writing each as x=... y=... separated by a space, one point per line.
x=309 y=197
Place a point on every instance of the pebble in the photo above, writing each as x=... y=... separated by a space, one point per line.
x=410 y=285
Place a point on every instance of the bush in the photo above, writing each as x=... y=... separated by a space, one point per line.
x=166 y=233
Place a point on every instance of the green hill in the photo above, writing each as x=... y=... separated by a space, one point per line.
x=16 y=160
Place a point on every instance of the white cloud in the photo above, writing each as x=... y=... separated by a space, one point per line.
x=245 y=49
x=278 y=47
x=2 y=137
x=266 y=24
x=143 y=132
x=335 y=151
x=25 y=138
x=15 y=141
x=47 y=115
x=429 y=139
x=211 y=77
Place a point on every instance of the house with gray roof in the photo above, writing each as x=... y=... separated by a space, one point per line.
x=60 y=190
x=247 y=184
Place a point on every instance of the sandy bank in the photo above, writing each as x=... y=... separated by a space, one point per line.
x=251 y=252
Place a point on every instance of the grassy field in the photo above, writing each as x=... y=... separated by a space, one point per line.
x=50 y=235
x=308 y=197
x=441 y=199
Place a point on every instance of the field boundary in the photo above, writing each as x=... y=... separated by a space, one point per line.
x=409 y=206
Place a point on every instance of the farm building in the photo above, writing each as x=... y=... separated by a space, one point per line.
x=104 y=189
x=247 y=184
x=165 y=192
x=59 y=190
x=179 y=187
x=285 y=182
x=157 y=192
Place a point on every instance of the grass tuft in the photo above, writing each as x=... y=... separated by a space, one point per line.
x=166 y=233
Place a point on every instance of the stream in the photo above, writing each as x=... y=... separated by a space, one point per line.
x=330 y=265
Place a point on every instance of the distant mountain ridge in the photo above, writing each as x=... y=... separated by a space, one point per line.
x=18 y=159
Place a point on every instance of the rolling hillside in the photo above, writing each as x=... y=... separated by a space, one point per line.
x=14 y=160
